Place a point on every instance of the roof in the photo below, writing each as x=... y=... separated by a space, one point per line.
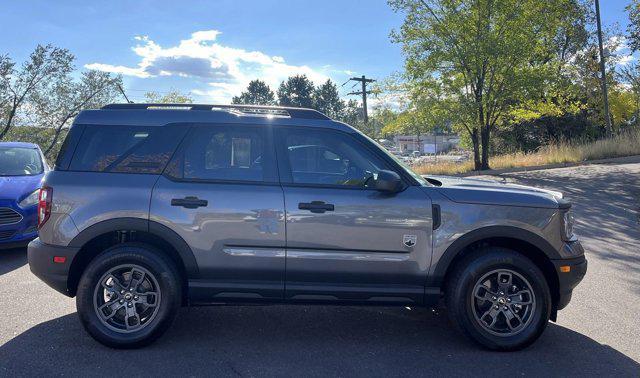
x=162 y=114
x=19 y=144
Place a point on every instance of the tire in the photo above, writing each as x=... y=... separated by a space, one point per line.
x=125 y=281
x=480 y=308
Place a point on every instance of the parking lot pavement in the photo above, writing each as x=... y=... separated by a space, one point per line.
x=598 y=334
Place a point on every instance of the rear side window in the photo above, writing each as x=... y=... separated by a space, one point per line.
x=224 y=153
x=126 y=149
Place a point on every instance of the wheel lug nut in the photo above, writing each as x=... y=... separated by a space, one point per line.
x=121 y=291
x=494 y=298
x=508 y=299
x=496 y=307
x=121 y=301
x=501 y=293
x=135 y=297
x=505 y=308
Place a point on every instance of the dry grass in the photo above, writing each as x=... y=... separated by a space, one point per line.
x=625 y=144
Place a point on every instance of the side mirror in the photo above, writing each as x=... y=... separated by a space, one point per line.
x=388 y=181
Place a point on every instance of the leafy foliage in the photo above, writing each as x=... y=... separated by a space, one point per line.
x=39 y=100
x=485 y=56
x=257 y=93
x=296 y=91
x=172 y=97
x=633 y=29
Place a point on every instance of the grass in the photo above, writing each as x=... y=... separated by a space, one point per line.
x=625 y=144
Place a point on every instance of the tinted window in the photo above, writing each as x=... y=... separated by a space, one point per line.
x=327 y=157
x=128 y=149
x=20 y=161
x=234 y=153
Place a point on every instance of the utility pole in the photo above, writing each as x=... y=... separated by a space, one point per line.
x=363 y=80
x=603 y=71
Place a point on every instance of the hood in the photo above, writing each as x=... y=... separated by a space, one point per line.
x=488 y=192
x=15 y=188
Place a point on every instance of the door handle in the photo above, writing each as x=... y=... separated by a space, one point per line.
x=189 y=202
x=316 y=206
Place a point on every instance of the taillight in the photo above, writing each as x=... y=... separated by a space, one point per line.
x=44 y=205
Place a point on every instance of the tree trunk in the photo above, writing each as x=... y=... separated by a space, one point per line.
x=485 y=147
x=476 y=150
x=7 y=125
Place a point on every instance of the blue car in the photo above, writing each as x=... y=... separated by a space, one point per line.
x=22 y=167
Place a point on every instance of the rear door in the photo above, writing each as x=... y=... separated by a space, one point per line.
x=345 y=240
x=221 y=194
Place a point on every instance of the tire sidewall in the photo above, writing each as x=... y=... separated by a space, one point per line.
x=502 y=259
x=156 y=264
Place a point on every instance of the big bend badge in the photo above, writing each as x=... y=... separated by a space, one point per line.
x=409 y=240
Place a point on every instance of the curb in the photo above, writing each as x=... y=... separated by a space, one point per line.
x=493 y=172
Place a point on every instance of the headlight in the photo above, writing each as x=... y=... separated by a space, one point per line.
x=568 y=225
x=30 y=200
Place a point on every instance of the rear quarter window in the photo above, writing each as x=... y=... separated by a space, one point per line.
x=126 y=149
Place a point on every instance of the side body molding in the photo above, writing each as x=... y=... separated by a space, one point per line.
x=143 y=225
x=507 y=232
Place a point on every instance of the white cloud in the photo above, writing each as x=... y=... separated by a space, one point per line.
x=226 y=70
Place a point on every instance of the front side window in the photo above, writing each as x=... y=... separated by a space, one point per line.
x=328 y=157
x=20 y=161
x=225 y=153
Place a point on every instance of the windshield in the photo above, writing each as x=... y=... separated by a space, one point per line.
x=20 y=161
x=408 y=169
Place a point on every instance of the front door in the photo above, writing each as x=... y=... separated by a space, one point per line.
x=221 y=195
x=345 y=240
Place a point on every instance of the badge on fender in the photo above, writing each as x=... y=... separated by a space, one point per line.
x=409 y=240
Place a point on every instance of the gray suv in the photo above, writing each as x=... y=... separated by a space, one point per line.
x=152 y=207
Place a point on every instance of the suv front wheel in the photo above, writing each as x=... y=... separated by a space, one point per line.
x=128 y=296
x=498 y=298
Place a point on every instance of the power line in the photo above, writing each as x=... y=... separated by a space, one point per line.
x=363 y=81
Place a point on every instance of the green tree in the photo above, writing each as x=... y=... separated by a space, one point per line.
x=633 y=29
x=296 y=91
x=172 y=97
x=257 y=93
x=486 y=55
x=60 y=101
x=45 y=65
x=327 y=100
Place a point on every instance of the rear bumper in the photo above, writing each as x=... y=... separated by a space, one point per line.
x=40 y=257
x=568 y=280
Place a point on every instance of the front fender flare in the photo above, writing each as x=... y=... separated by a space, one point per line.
x=489 y=232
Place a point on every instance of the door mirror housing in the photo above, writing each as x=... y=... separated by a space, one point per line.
x=388 y=181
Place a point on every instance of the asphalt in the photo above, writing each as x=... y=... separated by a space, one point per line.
x=597 y=335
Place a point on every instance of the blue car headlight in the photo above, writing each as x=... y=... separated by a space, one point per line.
x=30 y=200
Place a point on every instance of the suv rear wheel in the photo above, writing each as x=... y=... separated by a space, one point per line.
x=128 y=296
x=499 y=298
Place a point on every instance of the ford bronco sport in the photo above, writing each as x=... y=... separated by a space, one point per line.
x=153 y=207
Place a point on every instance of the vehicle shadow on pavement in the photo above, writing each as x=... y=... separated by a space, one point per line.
x=309 y=341
x=12 y=259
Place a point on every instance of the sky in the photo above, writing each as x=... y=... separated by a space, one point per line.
x=212 y=49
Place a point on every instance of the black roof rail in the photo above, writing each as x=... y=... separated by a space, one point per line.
x=278 y=111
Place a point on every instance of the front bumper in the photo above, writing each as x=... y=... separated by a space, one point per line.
x=570 y=272
x=19 y=234
x=56 y=275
